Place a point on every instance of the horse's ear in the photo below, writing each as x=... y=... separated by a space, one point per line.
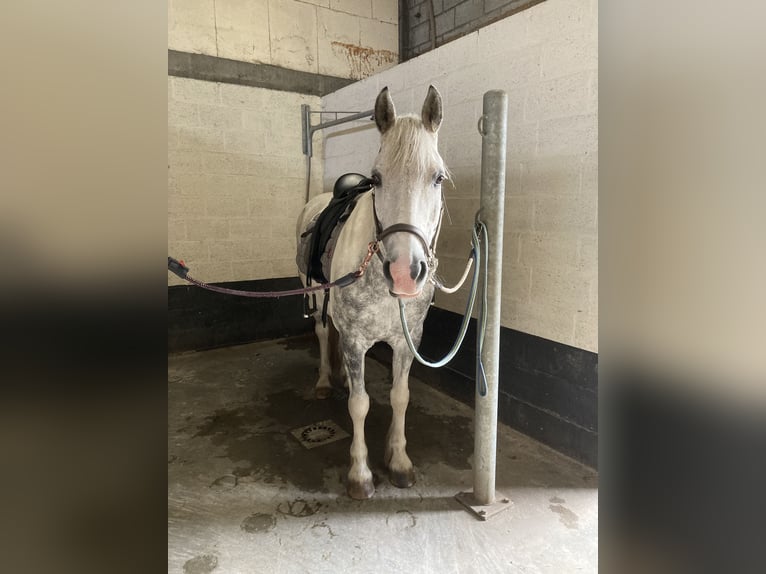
x=385 y=114
x=432 y=110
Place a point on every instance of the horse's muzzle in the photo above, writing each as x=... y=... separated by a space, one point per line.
x=405 y=279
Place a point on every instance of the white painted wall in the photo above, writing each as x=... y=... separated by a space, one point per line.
x=546 y=59
x=236 y=179
x=344 y=38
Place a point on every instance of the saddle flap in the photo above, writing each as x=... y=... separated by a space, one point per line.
x=347 y=189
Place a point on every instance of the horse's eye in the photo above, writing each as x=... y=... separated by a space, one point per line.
x=376 y=179
x=439 y=179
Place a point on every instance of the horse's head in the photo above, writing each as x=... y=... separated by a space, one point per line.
x=408 y=174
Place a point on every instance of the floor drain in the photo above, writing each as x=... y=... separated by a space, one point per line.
x=319 y=434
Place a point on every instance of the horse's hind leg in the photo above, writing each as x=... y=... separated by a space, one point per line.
x=401 y=472
x=323 y=388
x=336 y=354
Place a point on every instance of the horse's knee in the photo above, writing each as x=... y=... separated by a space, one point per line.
x=400 y=398
x=358 y=404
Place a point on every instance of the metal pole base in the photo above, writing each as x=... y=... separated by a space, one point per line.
x=483 y=511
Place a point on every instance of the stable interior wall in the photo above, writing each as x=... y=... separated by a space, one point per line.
x=344 y=38
x=238 y=73
x=545 y=58
x=235 y=164
x=236 y=180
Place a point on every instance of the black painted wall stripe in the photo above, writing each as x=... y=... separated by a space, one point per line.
x=548 y=390
x=199 y=319
x=214 y=69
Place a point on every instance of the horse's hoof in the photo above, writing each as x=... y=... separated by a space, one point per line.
x=360 y=490
x=323 y=392
x=402 y=479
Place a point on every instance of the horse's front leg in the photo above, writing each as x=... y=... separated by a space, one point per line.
x=360 y=485
x=401 y=472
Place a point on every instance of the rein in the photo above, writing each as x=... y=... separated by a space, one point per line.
x=180 y=269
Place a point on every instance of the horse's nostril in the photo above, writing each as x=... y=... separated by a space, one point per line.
x=387 y=270
x=418 y=271
x=423 y=271
x=414 y=271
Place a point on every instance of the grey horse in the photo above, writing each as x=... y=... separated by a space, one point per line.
x=403 y=214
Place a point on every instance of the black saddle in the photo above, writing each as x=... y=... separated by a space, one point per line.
x=347 y=189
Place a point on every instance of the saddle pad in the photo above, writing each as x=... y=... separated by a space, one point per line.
x=307 y=245
x=318 y=243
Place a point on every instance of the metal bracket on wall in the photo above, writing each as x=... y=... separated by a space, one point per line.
x=309 y=129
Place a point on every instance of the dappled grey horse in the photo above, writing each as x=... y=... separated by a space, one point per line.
x=403 y=215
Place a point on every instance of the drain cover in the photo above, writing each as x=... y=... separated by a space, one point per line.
x=319 y=434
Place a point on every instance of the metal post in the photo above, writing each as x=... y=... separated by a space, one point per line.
x=308 y=148
x=493 y=127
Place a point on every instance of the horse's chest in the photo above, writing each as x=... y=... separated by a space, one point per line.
x=367 y=310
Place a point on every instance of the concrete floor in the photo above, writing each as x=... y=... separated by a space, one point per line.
x=245 y=496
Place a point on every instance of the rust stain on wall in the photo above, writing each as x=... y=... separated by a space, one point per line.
x=363 y=61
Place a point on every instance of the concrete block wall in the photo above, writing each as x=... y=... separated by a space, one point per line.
x=451 y=19
x=344 y=38
x=545 y=58
x=236 y=179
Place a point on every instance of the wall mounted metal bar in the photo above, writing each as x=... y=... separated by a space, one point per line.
x=308 y=132
x=309 y=129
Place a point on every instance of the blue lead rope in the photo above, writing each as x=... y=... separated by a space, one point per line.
x=481 y=383
x=479 y=258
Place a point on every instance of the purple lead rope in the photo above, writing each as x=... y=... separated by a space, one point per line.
x=180 y=269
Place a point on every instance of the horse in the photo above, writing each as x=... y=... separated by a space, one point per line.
x=401 y=217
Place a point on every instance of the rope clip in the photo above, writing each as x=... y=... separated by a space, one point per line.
x=372 y=248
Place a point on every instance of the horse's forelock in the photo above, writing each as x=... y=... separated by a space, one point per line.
x=408 y=143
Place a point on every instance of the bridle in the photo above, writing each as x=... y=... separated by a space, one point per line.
x=428 y=247
x=179 y=268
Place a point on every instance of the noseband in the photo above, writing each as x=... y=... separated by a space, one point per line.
x=428 y=247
